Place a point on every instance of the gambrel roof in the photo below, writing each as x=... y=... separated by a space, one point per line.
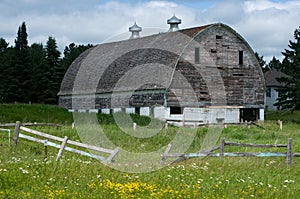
x=99 y=69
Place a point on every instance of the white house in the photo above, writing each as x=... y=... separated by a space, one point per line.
x=272 y=84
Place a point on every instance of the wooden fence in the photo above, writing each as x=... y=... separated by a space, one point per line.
x=64 y=141
x=288 y=154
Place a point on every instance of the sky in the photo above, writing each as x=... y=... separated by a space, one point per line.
x=267 y=25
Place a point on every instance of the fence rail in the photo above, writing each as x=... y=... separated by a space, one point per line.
x=30 y=124
x=209 y=153
x=64 y=141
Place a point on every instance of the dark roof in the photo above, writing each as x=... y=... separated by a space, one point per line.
x=93 y=62
x=98 y=69
x=271 y=78
x=161 y=68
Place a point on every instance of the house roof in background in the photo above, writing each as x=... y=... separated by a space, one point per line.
x=271 y=78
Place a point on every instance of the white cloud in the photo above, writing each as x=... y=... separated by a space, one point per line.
x=265 y=24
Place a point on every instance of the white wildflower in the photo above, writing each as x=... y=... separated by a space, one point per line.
x=270 y=186
x=23 y=170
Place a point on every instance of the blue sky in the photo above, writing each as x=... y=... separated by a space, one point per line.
x=267 y=25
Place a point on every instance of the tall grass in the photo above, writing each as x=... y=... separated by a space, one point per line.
x=26 y=172
x=286 y=116
x=34 y=113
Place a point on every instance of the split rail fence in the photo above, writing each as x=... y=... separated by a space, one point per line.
x=288 y=154
x=64 y=141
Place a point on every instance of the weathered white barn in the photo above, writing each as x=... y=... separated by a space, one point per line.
x=199 y=75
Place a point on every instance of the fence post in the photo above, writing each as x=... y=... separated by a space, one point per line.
x=112 y=155
x=46 y=148
x=222 y=148
x=62 y=147
x=16 y=134
x=289 y=153
x=134 y=126
x=280 y=124
x=164 y=156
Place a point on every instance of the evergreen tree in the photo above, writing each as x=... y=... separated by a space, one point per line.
x=33 y=73
x=38 y=63
x=71 y=52
x=51 y=73
x=274 y=64
x=3 y=45
x=9 y=80
x=261 y=61
x=3 y=69
x=20 y=88
x=290 y=94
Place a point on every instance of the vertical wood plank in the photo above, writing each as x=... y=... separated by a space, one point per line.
x=62 y=147
x=46 y=148
x=112 y=155
x=9 y=137
x=280 y=124
x=222 y=148
x=164 y=156
x=17 y=131
x=289 y=153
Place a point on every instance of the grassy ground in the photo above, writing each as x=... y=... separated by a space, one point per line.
x=34 y=113
x=25 y=171
x=286 y=116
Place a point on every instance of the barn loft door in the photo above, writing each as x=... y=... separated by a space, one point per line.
x=249 y=114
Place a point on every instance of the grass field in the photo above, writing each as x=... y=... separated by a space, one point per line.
x=25 y=171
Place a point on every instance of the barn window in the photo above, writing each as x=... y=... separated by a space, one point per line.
x=241 y=55
x=197 y=56
x=175 y=110
x=218 y=36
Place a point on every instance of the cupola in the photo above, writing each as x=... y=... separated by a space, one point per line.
x=135 y=31
x=174 y=22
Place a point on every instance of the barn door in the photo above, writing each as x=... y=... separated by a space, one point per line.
x=249 y=114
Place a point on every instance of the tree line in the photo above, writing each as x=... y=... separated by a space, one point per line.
x=32 y=74
x=290 y=65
